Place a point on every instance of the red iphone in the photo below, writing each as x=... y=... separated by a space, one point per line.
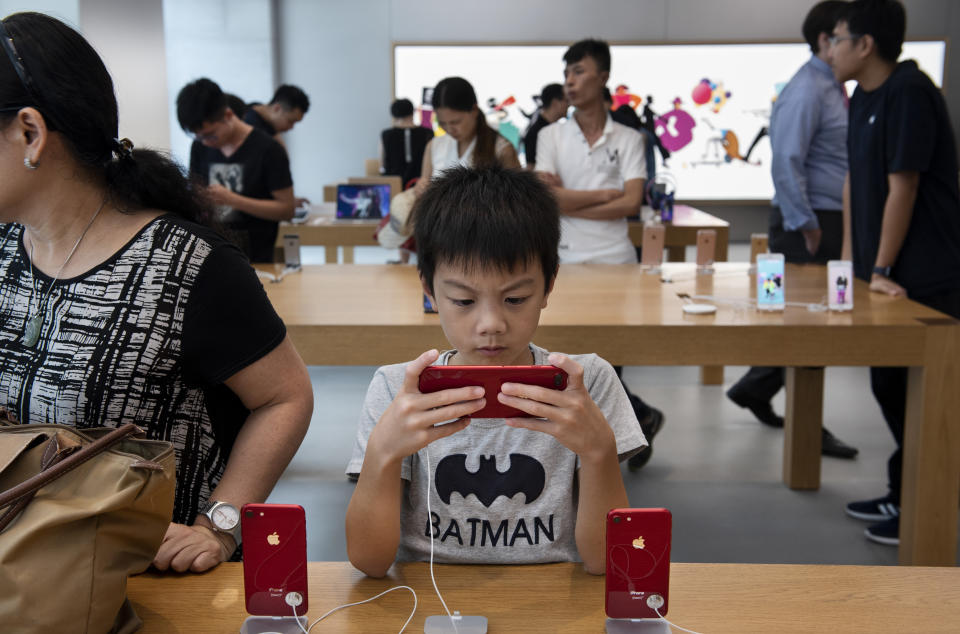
x=274 y=558
x=651 y=252
x=638 y=563
x=444 y=377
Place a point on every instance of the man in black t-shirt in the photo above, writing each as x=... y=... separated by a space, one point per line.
x=553 y=106
x=403 y=144
x=901 y=201
x=245 y=171
x=284 y=111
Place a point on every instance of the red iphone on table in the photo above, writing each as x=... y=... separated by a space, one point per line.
x=638 y=563
x=444 y=377
x=274 y=559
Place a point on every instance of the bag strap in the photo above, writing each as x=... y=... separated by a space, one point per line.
x=56 y=466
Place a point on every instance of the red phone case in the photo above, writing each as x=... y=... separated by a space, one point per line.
x=444 y=377
x=274 y=557
x=638 y=562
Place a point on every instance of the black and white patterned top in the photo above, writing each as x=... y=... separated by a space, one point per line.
x=147 y=337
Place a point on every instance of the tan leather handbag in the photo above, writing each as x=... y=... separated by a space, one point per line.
x=80 y=510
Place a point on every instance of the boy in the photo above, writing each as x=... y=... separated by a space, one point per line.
x=487 y=257
x=901 y=204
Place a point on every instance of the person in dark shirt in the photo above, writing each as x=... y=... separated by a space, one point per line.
x=245 y=172
x=553 y=106
x=402 y=146
x=901 y=201
x=285 y=110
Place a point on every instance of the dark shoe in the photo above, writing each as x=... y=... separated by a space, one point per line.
x=886 y=532
x=650 y=426
x=757 y=406
x=833 y=446
x=876 y=510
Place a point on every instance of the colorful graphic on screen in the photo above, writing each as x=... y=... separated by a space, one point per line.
x=363 y=201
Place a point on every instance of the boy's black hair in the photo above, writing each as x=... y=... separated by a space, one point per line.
x=200 y=102
x=550 y=93
x=597 y=49
x=488 y=218
x=884 y=20
x=401 y=109
x=290 y=97
x=821 y=19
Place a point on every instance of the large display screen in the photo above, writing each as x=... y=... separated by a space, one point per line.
x=710 y=102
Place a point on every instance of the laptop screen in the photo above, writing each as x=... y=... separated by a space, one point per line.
x=363 y=201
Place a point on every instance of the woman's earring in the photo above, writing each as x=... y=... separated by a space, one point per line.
x=30 y=165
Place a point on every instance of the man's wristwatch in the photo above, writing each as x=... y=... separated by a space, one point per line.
x=224 y=517
x=883 y=270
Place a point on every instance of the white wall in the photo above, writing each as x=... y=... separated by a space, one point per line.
x=129 y=37
x=340 y=52
x=65 y=10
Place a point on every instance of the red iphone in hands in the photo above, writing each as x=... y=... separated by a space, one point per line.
x=444 y=377
x=638 y=563
x=274 y=559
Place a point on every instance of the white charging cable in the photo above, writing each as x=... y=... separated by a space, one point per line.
x=350 y=605
x=673 y=625
x=430 y=530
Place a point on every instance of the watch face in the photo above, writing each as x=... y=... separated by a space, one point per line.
x=225 y=517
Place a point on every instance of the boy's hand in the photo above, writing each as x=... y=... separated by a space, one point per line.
x=407 y=425
x=572 y=416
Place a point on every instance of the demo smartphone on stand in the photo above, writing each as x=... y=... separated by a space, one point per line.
x=274 y=567
x=651 y=256
x=638 y=569
x=840 y=285
x=770 y=281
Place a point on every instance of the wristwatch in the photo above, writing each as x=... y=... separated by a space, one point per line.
x=883 y=270
x=224 y=517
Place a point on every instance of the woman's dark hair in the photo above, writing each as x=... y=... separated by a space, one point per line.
x=71 y=88
x=486 y=218
x=401 y=109
x=457 y=94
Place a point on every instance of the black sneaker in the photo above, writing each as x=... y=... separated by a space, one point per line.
x=886 y=532
x=833 y=446
x=878 y=510
x=650 y=427
x=757 y=406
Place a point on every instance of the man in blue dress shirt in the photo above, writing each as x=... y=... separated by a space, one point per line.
x=808 y=134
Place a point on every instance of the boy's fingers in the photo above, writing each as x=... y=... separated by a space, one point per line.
x=573 y=369
x=532 y=392
x=530 y=406
x=533 y=424
x=450 y=412
x=452 y=395
x=411 y=376
x=449 y=429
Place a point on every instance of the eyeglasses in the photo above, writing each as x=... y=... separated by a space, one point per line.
x=836 y=39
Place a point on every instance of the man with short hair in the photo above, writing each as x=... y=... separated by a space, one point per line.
x=284 y=111
x=553 y=106
x=245 y=171
x=596 y=169
x=808 y=135
x=901 y=204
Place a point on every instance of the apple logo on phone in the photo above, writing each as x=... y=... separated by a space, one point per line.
x=273 y=539
x=638 y=543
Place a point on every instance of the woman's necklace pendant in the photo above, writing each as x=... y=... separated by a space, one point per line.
x=31 y=331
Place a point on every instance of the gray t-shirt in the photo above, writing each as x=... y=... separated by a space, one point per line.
x=478 y=514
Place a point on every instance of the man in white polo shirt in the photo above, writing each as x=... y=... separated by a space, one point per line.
x=594 y=165
x=596 y=169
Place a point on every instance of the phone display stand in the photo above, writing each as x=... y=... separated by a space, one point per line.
x=274 y=625
x=470 y=624
x=705 y=269
x=637 y=626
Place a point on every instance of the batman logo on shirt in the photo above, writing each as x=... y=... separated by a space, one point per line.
x=525 y=475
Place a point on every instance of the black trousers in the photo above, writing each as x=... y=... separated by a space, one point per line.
x=889 y=386
x=764 y=382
